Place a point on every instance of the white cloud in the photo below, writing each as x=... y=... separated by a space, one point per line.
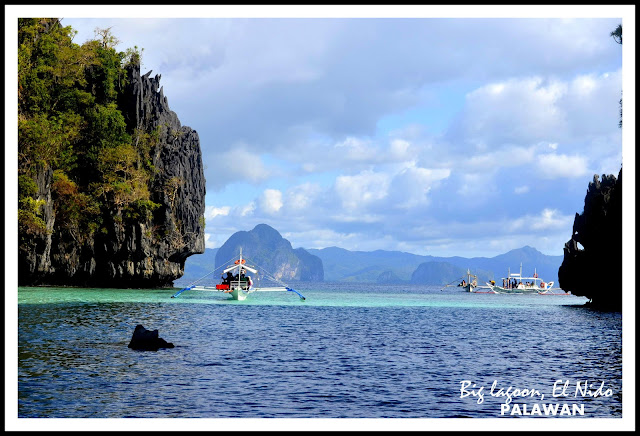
x=521 y=189
x=514 y=111
x=362 y=189
x=211 y=212
x=353 y=149
x=475 y=189
x=247 y=209
x=399 y=149
x=208 y=243
x=548 y=219
x=271 y=201
x=236 y=164
x=539 y=109
x=554 y=166
x=409 y=188
x=302 y=197
x=592 y=103
x=508 y=156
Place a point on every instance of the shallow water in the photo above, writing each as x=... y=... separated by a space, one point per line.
x=348 y=351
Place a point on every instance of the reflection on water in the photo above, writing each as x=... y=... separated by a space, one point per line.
x=364 y=351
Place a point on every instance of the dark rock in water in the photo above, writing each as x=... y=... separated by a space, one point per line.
x=592 y=265
x=125 y=252
x=147 y=340
x=268 y=249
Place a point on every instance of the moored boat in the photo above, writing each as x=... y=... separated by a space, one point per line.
x=469 y=283
x=238 y=283
x=515 y=283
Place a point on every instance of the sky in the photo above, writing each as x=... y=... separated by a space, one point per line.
x=464 y=136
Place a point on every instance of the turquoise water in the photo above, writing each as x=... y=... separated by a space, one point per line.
x=320 y=294
x=347 y=351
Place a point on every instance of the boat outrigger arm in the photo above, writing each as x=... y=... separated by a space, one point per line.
x=241 y=285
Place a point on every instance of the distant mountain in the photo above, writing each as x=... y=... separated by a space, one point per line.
x=268 y=250
x=376 y=266
x=437 y=273
x=388 y=277
x=366 y=266
x=530 y=258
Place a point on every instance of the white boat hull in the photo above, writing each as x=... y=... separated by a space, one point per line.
x=238 y=294
x=521 y=289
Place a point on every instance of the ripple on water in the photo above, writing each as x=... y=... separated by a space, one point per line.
x=358 y=353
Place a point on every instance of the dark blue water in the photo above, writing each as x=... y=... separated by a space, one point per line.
x=348 y=351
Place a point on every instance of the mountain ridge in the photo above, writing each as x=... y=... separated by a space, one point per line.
x=268 y=249
x=382 y=266
x=344 y=265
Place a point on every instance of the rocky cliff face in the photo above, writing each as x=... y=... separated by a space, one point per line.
x=268 y=250
x=143 y=252
x=592 y=265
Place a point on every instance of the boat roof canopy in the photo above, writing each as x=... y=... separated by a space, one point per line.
x=517 y=276
x=248 y=268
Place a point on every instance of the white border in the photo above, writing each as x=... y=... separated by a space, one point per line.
x=627 y=12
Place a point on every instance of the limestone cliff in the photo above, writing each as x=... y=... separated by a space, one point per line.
x=144 y=251
x=268 y=250
x=592 y=265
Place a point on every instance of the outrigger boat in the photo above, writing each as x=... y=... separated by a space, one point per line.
x=238 y=283
x=469 y=285
x=516 y=284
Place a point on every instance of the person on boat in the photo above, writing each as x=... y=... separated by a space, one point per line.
x=228 y=278
x=463 y=283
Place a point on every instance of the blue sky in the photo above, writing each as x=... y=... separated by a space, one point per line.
x=442 y=136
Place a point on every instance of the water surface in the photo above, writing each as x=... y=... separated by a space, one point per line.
x=348 y=351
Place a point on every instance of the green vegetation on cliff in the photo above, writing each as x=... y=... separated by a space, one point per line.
x=110 y=184
x=70 y=121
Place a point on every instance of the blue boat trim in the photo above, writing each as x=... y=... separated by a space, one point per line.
x=182 y=290
x=293 y=290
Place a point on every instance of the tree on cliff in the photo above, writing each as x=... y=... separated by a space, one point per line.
x=69 y=121
x=90 y=140
x=617 y=37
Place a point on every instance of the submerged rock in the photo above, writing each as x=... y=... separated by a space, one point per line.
x=147 y=340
